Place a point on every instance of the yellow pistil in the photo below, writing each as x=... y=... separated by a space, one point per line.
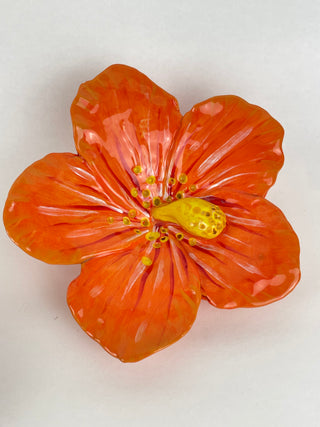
x=183 y=179
x=146 y=205
x=137 y=169
x=152 y=235
x=164 y=239
x=157 y=245
x=110 y=220
x=196 y=216
x=146 y=193
x=137 y=231
x=151 y=179
x=145 y=222
x=164 y=230
x=169 y=199
x=132 y=213
x=192 y=187
x=134 y=192
x=126 y=220
x=146 y=261
x=172 y=181
x=156 y=201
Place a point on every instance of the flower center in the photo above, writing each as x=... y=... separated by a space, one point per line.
x=197 y=216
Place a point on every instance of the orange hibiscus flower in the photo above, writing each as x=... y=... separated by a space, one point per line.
x=160 y=209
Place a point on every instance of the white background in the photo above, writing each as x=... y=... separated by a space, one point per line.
x=248 y=367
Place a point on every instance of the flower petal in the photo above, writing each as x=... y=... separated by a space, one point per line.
x=227 y=142
x=255 y=260
x=56 y=211
x=132 y=309
x=122 y=120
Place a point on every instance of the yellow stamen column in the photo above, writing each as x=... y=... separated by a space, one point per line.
x=197 y=216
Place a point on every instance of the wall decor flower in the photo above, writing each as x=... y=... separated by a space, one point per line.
x=160 y=209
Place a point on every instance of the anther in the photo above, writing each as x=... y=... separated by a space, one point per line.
x=146 y=205
x=156 y=201
x=152 y=235
x=151 y=179
x=180 y=195
x=137 y=169
x=183 y=179
x=134 y=192
x=132 y=213
x=146 y=261
x=192 y=241
x=146 y=193
x=145 y=222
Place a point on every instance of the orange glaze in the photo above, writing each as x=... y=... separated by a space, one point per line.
x=144 y=275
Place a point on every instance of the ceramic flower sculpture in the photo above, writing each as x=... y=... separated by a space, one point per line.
x=160 y=209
